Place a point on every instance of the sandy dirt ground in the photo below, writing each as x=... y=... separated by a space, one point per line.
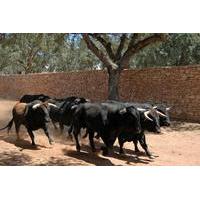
x=177 y=145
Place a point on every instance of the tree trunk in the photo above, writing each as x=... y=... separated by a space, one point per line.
x=113 y=84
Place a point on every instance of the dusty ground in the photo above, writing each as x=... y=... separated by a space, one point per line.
x=178 y=145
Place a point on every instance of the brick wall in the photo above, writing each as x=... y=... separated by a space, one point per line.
x=179 y=87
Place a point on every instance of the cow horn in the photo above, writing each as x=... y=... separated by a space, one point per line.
x=51 y=104
x=168 y=108
x=73 y=107
x=122 y=111
x=161 y=114
x=36 y=106
x=146 y=115
x=141 y=109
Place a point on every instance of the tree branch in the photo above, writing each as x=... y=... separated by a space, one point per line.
x=133 y=38
x=120 y=47
x=106 y=45
x=105 y=59
x=134 y=48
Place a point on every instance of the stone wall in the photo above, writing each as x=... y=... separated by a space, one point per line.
x=179 y=87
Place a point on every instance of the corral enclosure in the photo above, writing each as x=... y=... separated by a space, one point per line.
x=178 y=87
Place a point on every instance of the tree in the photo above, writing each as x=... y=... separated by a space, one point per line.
x=44 y=52
x=114 y=57
x=180 y=49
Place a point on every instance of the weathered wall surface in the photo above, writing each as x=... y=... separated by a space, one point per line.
x=179 y=87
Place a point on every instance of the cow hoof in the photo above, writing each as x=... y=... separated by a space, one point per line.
x=93 y=150
x=151 y=157
x=137 y=152
x=51 y=142
x=78 y=149
x=105 y=151
x=121 y=152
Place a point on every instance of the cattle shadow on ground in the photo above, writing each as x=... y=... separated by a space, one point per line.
x=130 y=156
x=13 y=158
x=22 y=143
x=89 y=157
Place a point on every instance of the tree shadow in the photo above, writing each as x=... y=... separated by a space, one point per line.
x=183 y=126
x=55 y=161
x=12 y=158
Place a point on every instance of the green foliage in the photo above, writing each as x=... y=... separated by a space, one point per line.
x=42 y=52
x=178 y=50
x=29 y=53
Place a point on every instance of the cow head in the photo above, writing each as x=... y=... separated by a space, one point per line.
x=163 y=112
x=150 y=119
x=131 y=116
x=42 y=108
x=81 y=100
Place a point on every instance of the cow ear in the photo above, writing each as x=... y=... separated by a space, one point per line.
x=36 y=106
x=122 y=111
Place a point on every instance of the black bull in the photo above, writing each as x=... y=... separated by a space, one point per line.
x=63 y=113
x=33 y=116
x=108 y=120
x=151 y=118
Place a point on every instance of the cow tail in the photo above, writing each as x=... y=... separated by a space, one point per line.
x=9 y=126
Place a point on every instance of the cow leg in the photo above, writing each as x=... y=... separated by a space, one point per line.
x=31 y=136
x=76 y=133
x=17 y=127
x=121 y=144
x=47 y=134
x=104 y=148
x=135 y=142
x=142 y=141
x=108 y=141
x=86 y=133
x=54 y=124
x=91 y=138
x=70 y=129
x=61 y=128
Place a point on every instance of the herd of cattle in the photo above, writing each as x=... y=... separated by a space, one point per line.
x=110 y=120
